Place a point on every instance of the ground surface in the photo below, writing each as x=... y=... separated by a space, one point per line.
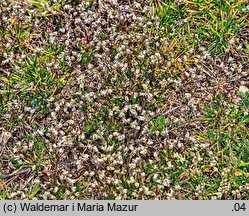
x=124 y=99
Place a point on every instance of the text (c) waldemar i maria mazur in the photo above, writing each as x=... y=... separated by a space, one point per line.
x=77 y=207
